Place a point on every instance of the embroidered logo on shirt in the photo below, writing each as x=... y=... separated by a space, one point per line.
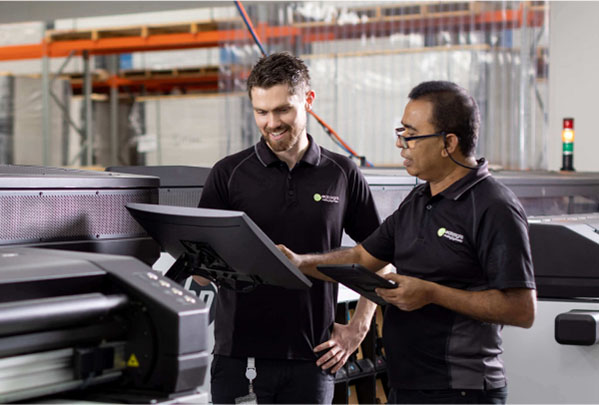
x=326 y=198
x=452 y=236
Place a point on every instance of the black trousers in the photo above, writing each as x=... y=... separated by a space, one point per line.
x=277 y=381
x=494 y=396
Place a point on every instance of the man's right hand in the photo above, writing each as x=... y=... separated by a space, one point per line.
x=291 y=255
x=307 y=262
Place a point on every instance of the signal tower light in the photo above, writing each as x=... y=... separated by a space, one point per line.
x=568 y=145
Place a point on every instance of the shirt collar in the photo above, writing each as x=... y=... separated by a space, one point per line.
x=457 y=189
x=267 y=157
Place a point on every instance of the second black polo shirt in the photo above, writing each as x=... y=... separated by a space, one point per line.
x=472 y=236
x=306 y=209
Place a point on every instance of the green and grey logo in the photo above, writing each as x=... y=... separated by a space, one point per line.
x=452 y=236
x=334 y=199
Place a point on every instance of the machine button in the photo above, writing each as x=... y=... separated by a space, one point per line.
x=189 y=299
x=152 y=276
x=176 y=291
x=164 y=283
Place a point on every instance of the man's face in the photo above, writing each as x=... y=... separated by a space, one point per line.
x=280 y=116
x=423 y=157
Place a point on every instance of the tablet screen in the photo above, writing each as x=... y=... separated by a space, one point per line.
x=357 y=278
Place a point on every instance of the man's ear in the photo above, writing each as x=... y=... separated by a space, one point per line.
x=310 y=96
x=451 y=142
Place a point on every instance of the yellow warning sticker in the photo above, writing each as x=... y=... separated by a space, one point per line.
x=132 y=362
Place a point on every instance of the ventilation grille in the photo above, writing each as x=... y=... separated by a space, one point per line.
x=181 y=197
x=43 y=216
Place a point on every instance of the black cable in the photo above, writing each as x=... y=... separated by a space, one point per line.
x=458 y=163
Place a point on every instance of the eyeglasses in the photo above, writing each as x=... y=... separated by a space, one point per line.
x=403 y=140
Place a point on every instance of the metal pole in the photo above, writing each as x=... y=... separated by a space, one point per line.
x=45 y=106
x=7 y=112
x=524 y=112
x=64 y=64
x=158 y=133
x=87 y=92
x=67 y=120
x=114 y=109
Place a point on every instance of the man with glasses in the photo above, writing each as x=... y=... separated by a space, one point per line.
x=461 y=249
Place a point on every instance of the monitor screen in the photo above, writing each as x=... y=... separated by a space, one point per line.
x=225 y=245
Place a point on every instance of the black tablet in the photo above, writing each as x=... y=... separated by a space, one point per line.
x=357 y=278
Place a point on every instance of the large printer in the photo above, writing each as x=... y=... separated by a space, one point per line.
x=83 y=316
x=73 y=209
x=108 y=324
x=552 y=362
x=556 y=361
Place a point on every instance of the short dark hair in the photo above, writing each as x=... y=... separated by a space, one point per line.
x=279 y=68
x=454 y=111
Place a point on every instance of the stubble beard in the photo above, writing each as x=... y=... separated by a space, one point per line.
x=285 y=143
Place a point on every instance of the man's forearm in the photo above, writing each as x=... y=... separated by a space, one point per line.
x=308 y=262
x=365 y=310
x=362 y=318
x=515 y=307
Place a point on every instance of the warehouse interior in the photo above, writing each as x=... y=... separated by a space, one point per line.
x=96 y=96
x=523 y=121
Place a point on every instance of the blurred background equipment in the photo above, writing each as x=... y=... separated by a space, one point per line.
x=168 y=88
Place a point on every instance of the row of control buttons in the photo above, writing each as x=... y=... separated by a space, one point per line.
x=176 y=291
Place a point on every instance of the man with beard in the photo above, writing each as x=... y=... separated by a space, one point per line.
x=303 y=196
x=461 y=249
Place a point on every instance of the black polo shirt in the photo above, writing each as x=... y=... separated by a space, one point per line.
x=306 y=209
x=472 y=236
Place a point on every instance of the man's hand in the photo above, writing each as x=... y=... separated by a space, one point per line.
x=291 y=255
x=411 y=293
x=343 y=342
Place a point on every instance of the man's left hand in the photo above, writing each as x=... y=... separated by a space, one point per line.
x=343 y=342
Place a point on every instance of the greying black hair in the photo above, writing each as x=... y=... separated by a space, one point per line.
x=454 y=111
x=279 y=68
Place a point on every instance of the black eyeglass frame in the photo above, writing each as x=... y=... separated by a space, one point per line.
x=403 y=140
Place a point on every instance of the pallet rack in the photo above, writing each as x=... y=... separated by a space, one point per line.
x=200 y=34
x=379 y=20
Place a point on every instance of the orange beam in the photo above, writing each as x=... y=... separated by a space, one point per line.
x=136 y=44
x=120 y=81
x=535 y=17
x=16 y=52
x=201 y=82
x=215 y=38
x=310 y=37
x=140 y=44
x=507 y=16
